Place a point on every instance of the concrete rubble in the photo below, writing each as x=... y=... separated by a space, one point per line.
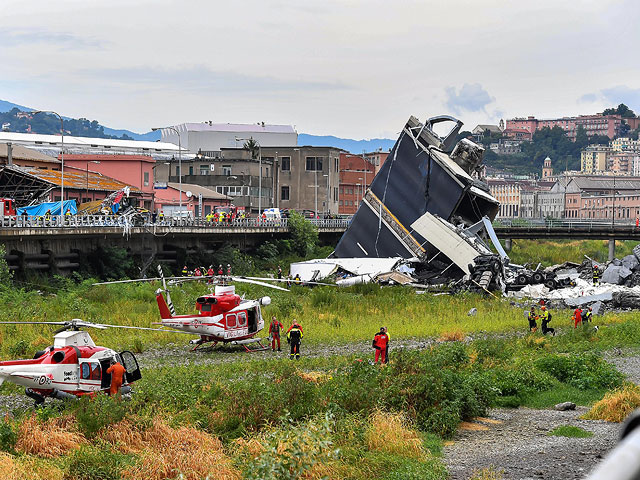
x=426 y=221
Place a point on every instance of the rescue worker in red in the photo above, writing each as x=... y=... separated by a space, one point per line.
x=228 y=270
x=220 y=270
x=117 y=371
x=577 y=317
x=294 y=338
x=380 y=342
x=198 y=273
x=274 y=332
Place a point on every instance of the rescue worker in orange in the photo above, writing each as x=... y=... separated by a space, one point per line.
x=274 y=331
x=380 y=342
x=577 y=317
x=117 y=371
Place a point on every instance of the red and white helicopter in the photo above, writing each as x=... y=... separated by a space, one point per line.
x=223 y=316
x=72 y=367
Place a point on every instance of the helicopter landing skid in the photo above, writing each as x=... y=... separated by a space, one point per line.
x=202 y=342
x=251 y=341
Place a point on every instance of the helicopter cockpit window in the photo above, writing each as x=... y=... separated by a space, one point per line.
x=242 y=319
x=205 y=307
x=231 y=321
x=90 y=371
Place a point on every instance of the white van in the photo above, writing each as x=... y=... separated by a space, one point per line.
x=272 y=214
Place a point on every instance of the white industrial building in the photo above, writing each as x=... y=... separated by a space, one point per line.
x=52 y=144
x=210 y=138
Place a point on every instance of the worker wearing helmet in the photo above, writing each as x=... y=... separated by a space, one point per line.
x=228 y=270
x=294 y=338
x=587 y=315
x=545 y=318
x=220 y=270
x=533 y=325
x=274 y=332
x=380 y=342
x=596 y=275
x=117 y=371
x=185 y=271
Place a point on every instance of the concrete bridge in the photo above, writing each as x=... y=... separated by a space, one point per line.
x=57 y=244
x=577 y=230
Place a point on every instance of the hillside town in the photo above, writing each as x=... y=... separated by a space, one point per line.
x=198 y=167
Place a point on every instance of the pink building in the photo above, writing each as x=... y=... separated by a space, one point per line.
x=593 y=124
x=134 y=170
x=167 y=200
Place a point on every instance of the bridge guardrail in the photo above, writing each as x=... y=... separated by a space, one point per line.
x=568 y=225
x=95 y=221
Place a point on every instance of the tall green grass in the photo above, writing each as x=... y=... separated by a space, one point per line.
x=552 y=252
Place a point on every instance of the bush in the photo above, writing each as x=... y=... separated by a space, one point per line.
x=8 y=437
x=89 y=463
x=94 y=414
x=584 y=372
x=295 y=451
x=616 y=405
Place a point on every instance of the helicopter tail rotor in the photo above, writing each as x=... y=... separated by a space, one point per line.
x=164 y=287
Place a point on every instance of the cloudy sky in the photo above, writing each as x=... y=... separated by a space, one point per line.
x=349 y=68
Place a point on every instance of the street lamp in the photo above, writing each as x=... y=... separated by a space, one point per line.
x=61 y=157
x=260 y=168
x=179 y=160
x=327 y=175
x=87 y=178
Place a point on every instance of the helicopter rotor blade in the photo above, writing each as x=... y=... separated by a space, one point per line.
x=172 y=309
x=256 y=282
x=107 y=325
x=281 y=280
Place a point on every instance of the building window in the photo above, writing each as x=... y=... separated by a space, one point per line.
x=177 y=170
x=190 y=169
x=284 y=192
x=285 y=164
x=337 y=164
x=226 y=170
x=145 y=177
x=314 y=164
x=204 y=169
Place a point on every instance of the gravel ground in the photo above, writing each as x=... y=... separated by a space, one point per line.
x=519 y=445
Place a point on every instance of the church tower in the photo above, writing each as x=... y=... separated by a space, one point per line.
x=547 y=169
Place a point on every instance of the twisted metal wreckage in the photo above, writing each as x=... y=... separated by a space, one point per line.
x=428 y=210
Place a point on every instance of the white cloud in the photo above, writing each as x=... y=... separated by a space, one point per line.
x=345 y=67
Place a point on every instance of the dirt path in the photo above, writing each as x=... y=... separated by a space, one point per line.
x=516 y=441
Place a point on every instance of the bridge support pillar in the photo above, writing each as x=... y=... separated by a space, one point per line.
x=612 y=249
x=507 y=244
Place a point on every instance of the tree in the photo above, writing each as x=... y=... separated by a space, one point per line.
x=621 y=110
x=624 y=129
x=304 y=234
x=253 y=147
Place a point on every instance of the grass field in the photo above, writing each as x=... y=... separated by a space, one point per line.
x=334 y=417
x=553 y=252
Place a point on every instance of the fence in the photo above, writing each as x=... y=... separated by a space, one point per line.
x=101 y=221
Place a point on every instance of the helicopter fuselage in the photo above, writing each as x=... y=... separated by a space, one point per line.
x=222 y=317
x=73 y=366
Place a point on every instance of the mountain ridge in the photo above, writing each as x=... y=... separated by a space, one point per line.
x=304 y=139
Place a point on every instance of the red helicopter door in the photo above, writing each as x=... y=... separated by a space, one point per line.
x=90 y=377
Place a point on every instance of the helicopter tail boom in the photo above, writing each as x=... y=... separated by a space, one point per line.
x=165 y=313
